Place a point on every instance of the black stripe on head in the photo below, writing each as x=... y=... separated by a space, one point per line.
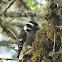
x=28 y=25
x=28 y=30
x=33 y=23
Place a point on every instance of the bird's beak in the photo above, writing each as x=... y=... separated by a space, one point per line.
x=37 y=28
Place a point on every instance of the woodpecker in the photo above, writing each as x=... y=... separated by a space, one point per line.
x=26 y=38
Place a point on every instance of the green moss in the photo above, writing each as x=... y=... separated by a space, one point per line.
x=42 y=45
x=46 y=60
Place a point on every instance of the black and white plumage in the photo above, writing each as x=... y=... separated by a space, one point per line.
x=26 y=38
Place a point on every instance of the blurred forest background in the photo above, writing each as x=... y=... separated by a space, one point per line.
x=47 y=45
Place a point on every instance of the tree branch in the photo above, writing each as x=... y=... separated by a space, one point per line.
x=20 y=14
x=7 y=42
x=8 y=6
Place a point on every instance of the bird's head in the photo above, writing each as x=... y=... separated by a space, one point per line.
x=31 y=26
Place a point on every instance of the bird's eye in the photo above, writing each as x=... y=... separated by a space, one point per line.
x=28 y=25
x=28 y=30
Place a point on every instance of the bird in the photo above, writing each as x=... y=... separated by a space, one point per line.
x=26 y=38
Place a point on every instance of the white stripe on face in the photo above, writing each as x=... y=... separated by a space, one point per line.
x=31 y=24
x=27 y=28
x=20 y=39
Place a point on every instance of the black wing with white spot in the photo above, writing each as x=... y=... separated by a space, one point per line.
x=22 y=38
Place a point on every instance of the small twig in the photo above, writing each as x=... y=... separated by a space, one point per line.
x=25 y=5
x=8 y=6
x=8 y=59
x=54 y=41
